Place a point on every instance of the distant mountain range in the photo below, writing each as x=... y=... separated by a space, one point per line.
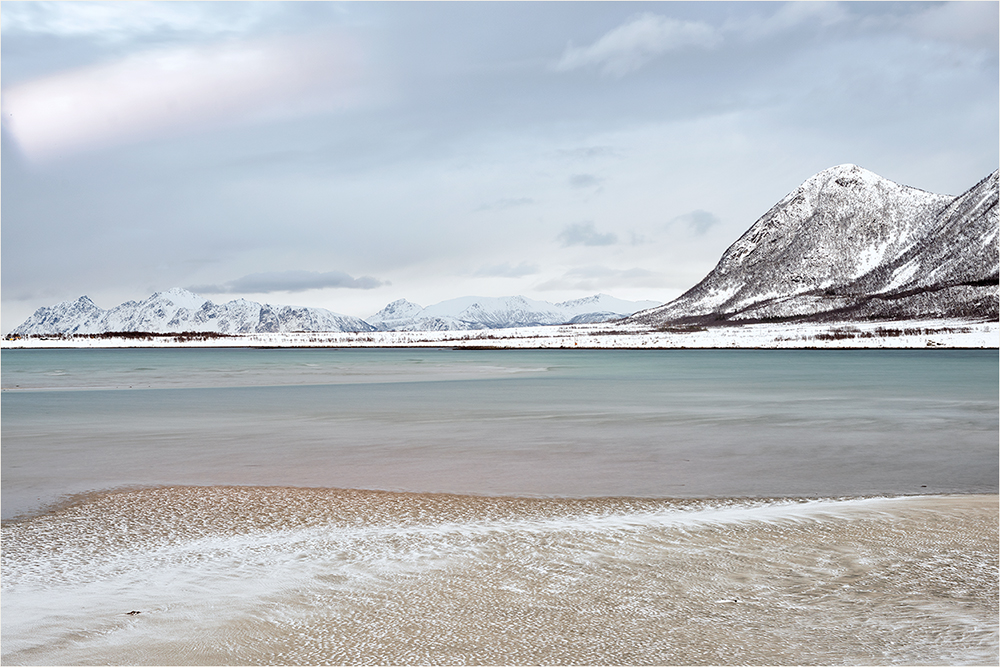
x=501 y=312
x=845 y=245
x=179 y=310
x=850 y=245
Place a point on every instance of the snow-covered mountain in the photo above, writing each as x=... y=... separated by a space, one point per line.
x=473 y=312
x=178 y=310
x=848 y=244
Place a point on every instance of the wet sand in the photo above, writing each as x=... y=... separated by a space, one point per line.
x=278 y=575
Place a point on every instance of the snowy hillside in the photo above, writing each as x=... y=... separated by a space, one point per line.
x=178 y=310
x=472 y=312
x=848 y=244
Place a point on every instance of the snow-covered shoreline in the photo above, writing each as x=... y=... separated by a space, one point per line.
x=856 y=335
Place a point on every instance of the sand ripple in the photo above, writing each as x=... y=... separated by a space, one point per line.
x=267 y=575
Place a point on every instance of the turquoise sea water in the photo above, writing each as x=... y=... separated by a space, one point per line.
x=576 y=423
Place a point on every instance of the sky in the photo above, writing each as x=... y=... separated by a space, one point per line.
x=345 y=155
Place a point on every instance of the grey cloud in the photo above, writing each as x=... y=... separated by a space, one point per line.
x=583 y=233
x=583 y=180
x=964 y=23
x=631 y=45
x=505 y=270
x=789 y=16
x=502 y=204
x=289 y=281
x=598 y=271
x=589 y=152
x=647 y=36
x=597 y=277
x=698 y=221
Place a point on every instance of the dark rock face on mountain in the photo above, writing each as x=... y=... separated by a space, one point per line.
x=848 y=244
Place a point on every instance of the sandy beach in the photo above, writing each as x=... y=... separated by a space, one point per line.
x=538 y=506
x=277 y=575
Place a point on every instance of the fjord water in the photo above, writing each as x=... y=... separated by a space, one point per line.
x=616 y=506
x=578 y=423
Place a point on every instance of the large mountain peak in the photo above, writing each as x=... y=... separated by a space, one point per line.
x=848 y=174
x=837 y=235
x=842 y=221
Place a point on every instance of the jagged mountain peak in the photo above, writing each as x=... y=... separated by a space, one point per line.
x=849 y=174
x=845 y=214
x=179 y=310
x=180 y=297
x=844 y=236
x=398 y=309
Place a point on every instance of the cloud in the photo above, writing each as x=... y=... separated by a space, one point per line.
x=789 y=16
x=288 y=281
x=965 y=23
x=637 y=239
x=505 y=270
x=647 y=36
x=502 y=204
x=148 y=93
x=598 y=271
x=598 y=277
x=583 y=233
x=631 y=45
x=112 y=21
x=589 y=152
x=698 y=221
x=583 y=180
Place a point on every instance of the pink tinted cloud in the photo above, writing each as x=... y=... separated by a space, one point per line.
x=182 y=89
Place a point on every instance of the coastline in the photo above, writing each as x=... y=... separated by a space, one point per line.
x=179 y=499
x=236 y=560
x=909 y=334
x=280 y=575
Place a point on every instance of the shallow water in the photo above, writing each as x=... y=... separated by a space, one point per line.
x=664 y=423
x=671 y=521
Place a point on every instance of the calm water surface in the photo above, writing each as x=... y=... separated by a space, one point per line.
x=606 y=507
x=672 y=423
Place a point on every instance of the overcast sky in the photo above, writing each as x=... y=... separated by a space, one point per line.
x=345 y=155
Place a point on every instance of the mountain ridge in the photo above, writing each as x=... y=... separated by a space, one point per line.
x=849 y=244
x=845 y=245
x=500 y=312
x=178 y=310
